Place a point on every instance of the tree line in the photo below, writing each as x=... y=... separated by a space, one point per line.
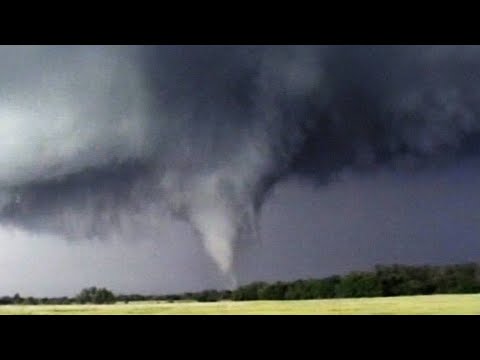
x=90 y=295
x=391 y=280
x=394 y=280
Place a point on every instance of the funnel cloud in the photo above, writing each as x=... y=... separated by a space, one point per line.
x=124 y=144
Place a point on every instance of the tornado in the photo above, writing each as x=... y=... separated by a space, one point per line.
x=95 y=140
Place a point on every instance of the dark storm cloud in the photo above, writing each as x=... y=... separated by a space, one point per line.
x=386 y=217
x=93 y=135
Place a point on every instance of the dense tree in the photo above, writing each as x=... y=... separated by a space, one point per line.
x=17 y=299
x=6 y=300
x=248 y=292
x=276 y=291
x=207 y=296
x=393 y=280
x=324 y=288
x=93 y=295
x=358 y=285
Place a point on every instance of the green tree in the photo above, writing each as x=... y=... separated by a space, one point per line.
x=17 y=299
x=274 y=291
x=93 y=295
x=358 y=284
x=248 y=292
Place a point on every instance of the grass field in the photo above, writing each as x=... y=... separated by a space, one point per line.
x=436 y=304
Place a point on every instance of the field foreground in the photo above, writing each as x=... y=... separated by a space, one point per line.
x=427 y=305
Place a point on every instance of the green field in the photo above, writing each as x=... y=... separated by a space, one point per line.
x=435 y=304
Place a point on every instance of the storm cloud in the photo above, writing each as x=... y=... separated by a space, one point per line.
x=117 y=142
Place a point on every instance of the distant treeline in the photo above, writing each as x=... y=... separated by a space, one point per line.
x=392 y=280
x=90 y=295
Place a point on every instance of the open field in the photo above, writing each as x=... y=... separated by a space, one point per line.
x=436 y=304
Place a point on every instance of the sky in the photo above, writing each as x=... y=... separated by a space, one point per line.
x=160 y=169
